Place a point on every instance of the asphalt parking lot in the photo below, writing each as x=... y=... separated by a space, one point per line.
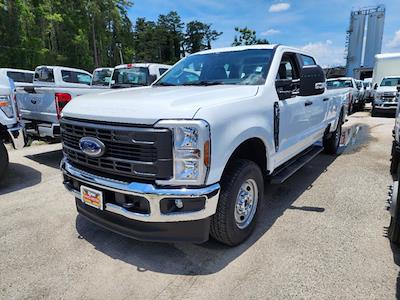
x=321 y=235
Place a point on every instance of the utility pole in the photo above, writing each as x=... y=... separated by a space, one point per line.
x=119 y=46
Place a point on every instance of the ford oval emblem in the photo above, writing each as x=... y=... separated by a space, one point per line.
x=92 y=146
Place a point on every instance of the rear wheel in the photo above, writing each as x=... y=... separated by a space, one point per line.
x=3 y=160
x=242 y=189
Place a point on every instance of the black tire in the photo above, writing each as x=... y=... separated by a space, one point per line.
x=394 y=161
x=331 y=140
x=374 y=112
x=394 y=227
x=3 y=160
x=224 y=227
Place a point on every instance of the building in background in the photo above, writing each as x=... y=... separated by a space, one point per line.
x=364 y=40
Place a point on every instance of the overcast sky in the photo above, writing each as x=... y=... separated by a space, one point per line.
x=318 y=26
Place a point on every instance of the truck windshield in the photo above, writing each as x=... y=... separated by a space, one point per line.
x=338 y=84
x=390 y=81
x=102 y=77
x=247 y=67
x=127 y=77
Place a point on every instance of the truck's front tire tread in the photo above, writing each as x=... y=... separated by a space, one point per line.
x=223 y=226
x=3 y=160
x=394 y=227
x=331 y=145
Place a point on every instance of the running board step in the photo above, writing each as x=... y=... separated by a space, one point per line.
x=295 y=164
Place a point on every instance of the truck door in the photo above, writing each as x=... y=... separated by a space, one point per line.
x=293 y=120
x=318 y=105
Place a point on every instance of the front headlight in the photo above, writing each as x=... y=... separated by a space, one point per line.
x=191 y=151
x=6 y=106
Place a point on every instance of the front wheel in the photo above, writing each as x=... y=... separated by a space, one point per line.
x=394 y=209
x=331 y=141
x=242 y=190
x=3 y=160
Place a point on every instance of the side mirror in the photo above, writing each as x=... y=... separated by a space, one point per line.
x=398 y=88
x=284 y=88
x=375 y=86
x=312 y=81
x=152 y=78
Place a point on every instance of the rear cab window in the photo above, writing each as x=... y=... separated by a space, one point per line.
x=75 y=77
x=44 y=74
x=20 y=76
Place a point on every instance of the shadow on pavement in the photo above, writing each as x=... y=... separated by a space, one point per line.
x=19 y=177
x=211 y=257
x=50 y=159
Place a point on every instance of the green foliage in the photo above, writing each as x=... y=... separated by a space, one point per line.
x=247 y=37
x=91 y=33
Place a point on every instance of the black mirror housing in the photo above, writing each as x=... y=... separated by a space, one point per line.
x=312 y=81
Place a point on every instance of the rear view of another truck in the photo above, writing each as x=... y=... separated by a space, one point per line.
x=53 y=87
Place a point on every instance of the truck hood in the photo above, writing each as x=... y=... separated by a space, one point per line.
x=147 y=105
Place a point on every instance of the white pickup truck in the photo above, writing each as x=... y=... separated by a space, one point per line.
x=349 y=86
x=11 y=131
x=53 y=87
x=137 y=74
x=186 y=158
x=385 y=96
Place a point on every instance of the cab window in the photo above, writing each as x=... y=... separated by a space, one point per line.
x=307 y=60
x=75 y=77
x=44 y=74
x=288 y=68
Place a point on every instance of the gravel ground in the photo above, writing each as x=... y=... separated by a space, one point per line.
x=321 y=235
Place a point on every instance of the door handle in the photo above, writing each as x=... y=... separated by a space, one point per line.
x=308 y=103
x=326 y=99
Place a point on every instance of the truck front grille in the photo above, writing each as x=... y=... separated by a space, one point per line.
x=136 y=152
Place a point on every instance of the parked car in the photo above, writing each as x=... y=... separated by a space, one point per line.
x=102 y=77
x=11 y=130
x=53 y=87
x=347 y=85
x=368 y=90
x=393 y=200
x=21 y=78
x=187 y=156
x=138 y=74
x=385 y=95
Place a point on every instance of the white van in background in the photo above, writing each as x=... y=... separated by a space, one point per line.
x=387 y=64
x=138 y=74
x=102 y=77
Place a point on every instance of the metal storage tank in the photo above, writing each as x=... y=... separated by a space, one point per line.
x=355 y=42
x=373 y=43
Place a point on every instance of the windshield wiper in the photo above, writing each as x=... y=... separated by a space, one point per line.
x=205 y=83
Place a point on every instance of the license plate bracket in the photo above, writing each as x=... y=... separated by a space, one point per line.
x=92 y=197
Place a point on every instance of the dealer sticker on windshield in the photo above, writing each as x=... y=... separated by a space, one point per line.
x=92 y=197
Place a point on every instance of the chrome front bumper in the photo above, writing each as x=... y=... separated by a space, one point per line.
x=153 y=195
x=17 y=136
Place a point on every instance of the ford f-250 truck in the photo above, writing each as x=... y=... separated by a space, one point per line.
x=186 y=158
x=53 y=87
x=11 y=131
